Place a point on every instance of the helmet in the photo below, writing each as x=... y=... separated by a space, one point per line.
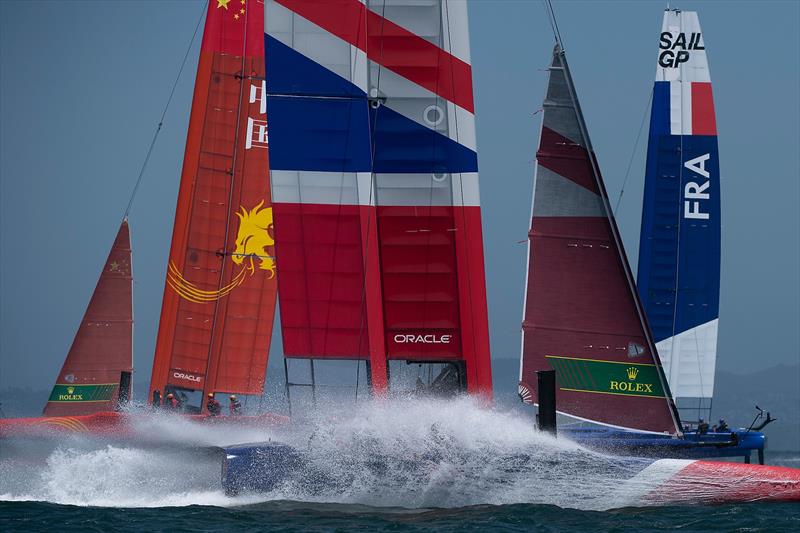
x=210 y=394
x=170 y=396
x=233 y=396
x=721 y=420
x=701 y=420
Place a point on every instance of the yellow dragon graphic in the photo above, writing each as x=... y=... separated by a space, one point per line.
x=252 y=242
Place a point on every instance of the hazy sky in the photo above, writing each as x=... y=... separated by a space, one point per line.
x=82 y=85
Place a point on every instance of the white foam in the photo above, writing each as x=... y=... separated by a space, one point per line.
x=400 y=453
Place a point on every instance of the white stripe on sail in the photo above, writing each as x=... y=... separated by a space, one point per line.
x=689 y=359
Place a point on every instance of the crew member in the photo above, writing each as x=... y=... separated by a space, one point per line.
x=722 y=427
x=702 y=427
x=171 y=403
x=213 y=406
x=156 y=399
x=235 y=406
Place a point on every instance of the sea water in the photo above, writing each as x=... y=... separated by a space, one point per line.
x=398 y=465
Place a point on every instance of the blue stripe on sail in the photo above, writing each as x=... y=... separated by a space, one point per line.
x=319 y=121
x=676 y=251
x=290 y=72
x=312 y=133
x=659 y=113
x=318 y=134
x=404 y=146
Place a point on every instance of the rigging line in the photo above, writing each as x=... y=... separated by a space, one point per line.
x=163 y=114
x=551 y=15
x=633 y=153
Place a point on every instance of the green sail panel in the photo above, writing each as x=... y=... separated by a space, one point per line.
x=606 y=377
x=103 y=392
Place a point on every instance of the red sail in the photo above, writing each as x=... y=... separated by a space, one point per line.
x=97 y=371
x=219 y=299
x=582 y=314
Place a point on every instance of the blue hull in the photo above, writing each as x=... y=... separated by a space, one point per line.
x=266 y=467
x=692 y=446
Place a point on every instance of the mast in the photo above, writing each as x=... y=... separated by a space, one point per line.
x=96 y=374
x=582 y=314
x=375 y=185
x=220 y=292
x=680 y=241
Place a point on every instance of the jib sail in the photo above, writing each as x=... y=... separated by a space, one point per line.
x=582 y=314
x=96 y=375
x=375 y=185
x=219 y=300
x=679 y=251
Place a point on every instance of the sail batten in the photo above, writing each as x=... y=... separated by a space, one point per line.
x=582 y=317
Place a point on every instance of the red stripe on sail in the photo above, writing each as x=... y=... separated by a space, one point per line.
x=566 y=158
x=392 y=46
x=704 y=122
x=321 y=281
x=581 y=311
x=434 y=288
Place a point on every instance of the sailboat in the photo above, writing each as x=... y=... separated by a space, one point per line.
x=583 y=315
x=94 y=383
x=679 y=250
x=374 y=181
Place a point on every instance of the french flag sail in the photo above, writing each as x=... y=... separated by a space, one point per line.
x=219 y=300
x=679 y=251
x=374 y=181
x=582 y=315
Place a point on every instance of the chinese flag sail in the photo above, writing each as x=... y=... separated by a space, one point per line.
x=96 y=373
x=219 y=298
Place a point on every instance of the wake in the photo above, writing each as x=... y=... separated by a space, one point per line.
x=403 y=453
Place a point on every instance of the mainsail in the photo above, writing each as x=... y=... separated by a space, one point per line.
x=219 y=300
x=582 y=314
x=375 y=186
x=96 y=375
x=679 y=252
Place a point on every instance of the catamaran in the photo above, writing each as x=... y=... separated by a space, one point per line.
x=583 y=316
x=394 y=162
x=95 y=379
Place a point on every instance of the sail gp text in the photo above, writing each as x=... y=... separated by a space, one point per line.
x=696 y=191
x=676 y=48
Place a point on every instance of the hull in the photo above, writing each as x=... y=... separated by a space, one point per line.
x=114 y=424
x=692 y=446
x=268 y=466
